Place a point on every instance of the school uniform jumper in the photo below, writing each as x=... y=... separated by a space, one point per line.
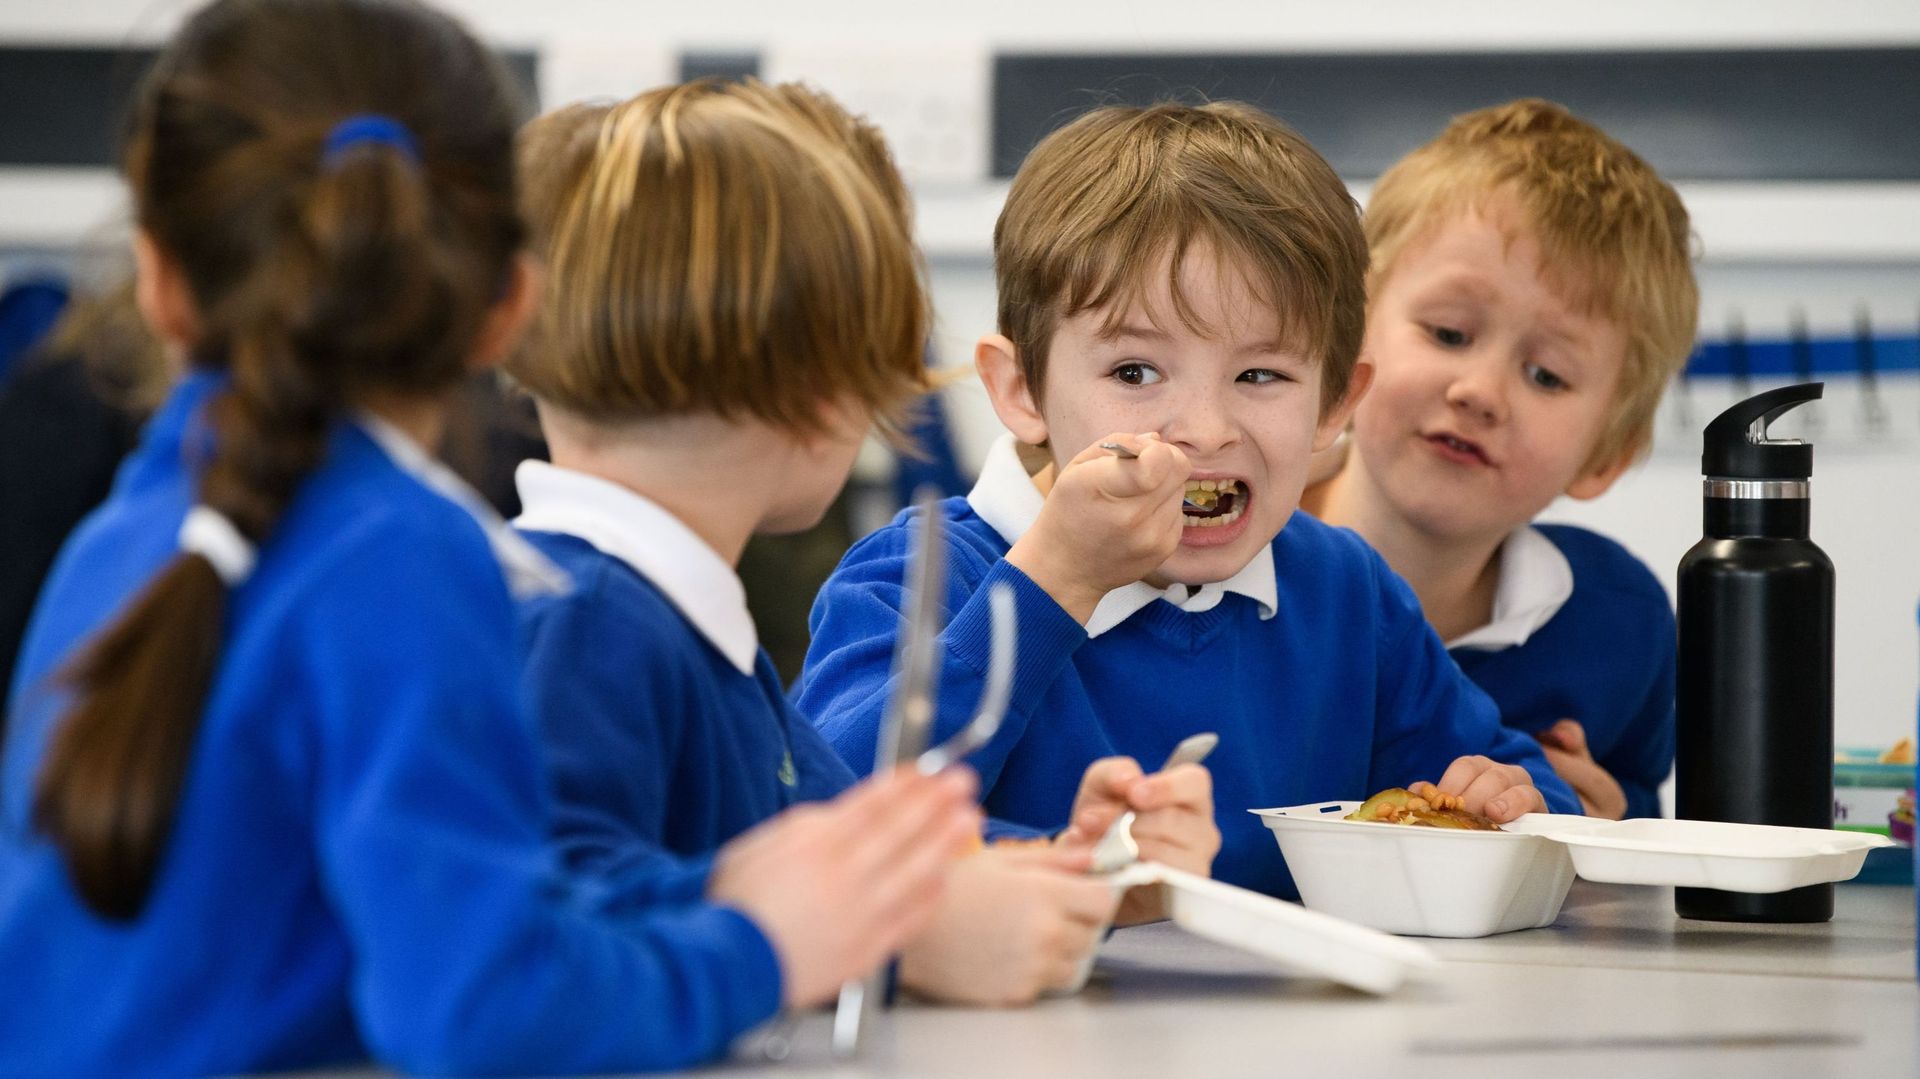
x=1315 y=666
x=661 y=719
x=1582 y=630
x=357 y=866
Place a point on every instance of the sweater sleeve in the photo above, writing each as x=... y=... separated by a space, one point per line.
x=856 y=624
x=470 y=954
x=1430 y=713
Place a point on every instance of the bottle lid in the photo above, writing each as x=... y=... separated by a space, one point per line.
x=1737 y=446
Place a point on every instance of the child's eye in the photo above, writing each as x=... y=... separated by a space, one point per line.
x=1448 y=336
x=1544 y=378
x=1260 y=376
x=1136 y=374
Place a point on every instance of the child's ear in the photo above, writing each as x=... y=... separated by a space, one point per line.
x=1594 y=482
x=999 y=366
x=1337 y=418
x=510 y=314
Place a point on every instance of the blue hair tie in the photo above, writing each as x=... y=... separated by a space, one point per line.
x=368 y=127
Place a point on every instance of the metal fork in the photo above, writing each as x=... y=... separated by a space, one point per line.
x=907 y=724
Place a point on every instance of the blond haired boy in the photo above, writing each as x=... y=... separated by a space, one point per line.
x=1187 y=285
x=1531 y=294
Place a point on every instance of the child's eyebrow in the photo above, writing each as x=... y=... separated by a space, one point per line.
x=1465 y=281
x=1134 y=330
x=1273 y=347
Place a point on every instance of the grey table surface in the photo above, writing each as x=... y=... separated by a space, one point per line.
x=1617 y=986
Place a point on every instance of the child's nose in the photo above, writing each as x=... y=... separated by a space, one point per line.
x=1478 y=391
x=1200 y=424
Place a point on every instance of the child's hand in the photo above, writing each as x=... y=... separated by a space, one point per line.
x=1012 y=925
x=1107 y=522
x=1498 y=791
x=1600 y=794
x=839 y=886
x=1173 y=822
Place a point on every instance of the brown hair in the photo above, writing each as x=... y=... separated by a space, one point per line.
x=317 y=276
x=1614 y=238
x=1100 y=202
x=732 y=248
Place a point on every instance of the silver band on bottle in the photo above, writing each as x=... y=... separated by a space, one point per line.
x=1718 y=488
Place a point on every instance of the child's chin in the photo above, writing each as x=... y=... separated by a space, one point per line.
x=1192 y=565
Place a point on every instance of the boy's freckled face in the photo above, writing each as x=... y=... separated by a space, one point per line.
x=1240 y=402
x=1490 y=390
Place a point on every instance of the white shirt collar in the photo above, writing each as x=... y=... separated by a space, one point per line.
x=1535 y=581
x=1007 y=500
x=626 y=525
x=529 y=573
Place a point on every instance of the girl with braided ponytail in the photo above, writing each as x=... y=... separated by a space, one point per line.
x=268 y=799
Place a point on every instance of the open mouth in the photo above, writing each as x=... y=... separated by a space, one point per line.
x=1213 y=503
x=1460 y=447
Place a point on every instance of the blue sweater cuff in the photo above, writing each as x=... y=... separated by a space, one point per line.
x=754 y=970
x=1048 y=634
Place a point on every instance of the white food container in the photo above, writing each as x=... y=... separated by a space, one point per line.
x=1300 y=940
x=1439 y=882
x=1704 y=854
x=1429 y=882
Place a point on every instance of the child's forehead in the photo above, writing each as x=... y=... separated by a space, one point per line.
x=1198 y=295
x=1454 y=248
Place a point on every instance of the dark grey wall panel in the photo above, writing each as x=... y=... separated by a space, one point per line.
x=1801 y=114
x=719 y=65
x=64 y=106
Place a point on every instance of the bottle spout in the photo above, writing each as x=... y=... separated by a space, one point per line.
x=1737 y=446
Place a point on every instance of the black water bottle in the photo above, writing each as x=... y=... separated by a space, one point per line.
x=1755 y=680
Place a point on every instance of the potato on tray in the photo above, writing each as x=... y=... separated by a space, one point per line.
x=1424 y=806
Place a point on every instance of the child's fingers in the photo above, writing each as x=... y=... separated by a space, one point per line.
x=1162 y=468
x=1054 y=859
x=1085 y=900
x=915 y=871
x=900 y=922
x=1571 y=736
x=1566 y=734
x=1600 y=794
x=1185 y=785
x=1515 y=802
x=1090 y=824
x=1062 y=970
x=927 y=812
x=1491 y=784
x=1462 y=772
x=1107 y=780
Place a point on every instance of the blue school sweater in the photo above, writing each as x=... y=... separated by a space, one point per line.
x=651 y=735
x=358 y=866
x=1606 y=659
x=1344 y=691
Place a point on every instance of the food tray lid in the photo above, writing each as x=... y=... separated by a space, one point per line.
x=1697 y=838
